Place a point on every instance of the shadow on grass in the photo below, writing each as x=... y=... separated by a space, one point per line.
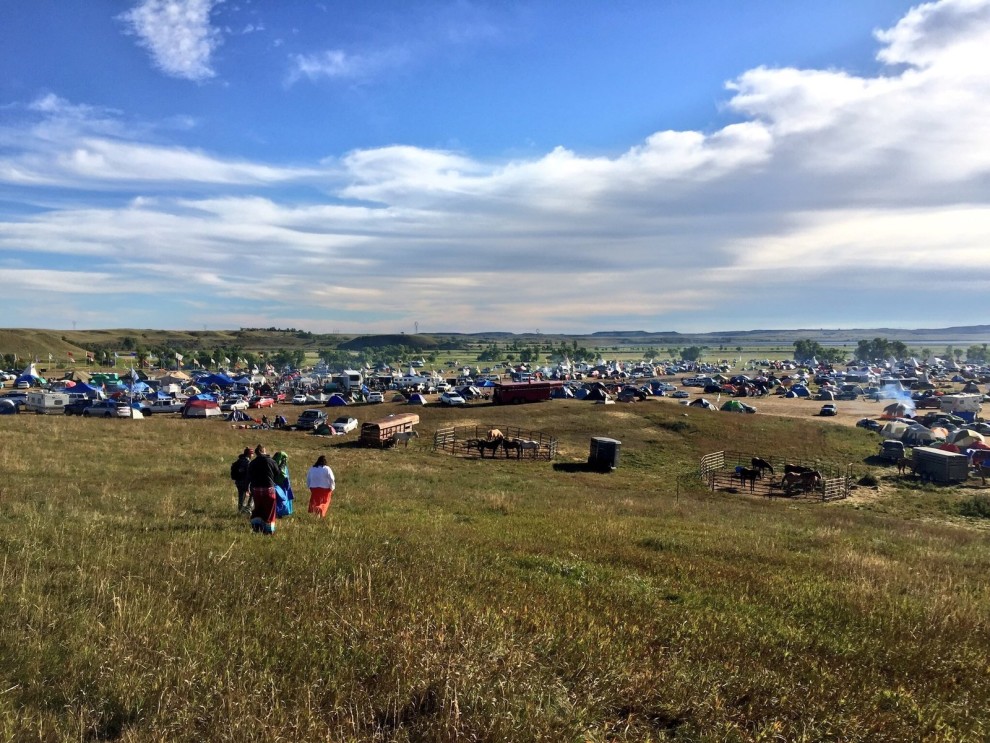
x=580 y=467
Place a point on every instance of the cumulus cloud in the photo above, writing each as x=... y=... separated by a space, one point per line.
x=830 y=186
x=178 y=34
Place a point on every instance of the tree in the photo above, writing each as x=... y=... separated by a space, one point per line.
x=692 y=353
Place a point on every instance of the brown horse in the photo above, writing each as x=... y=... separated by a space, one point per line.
x=804 y=481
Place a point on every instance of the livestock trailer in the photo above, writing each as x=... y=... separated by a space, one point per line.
x=511 y=393
x=940 y=466
x=378 y=433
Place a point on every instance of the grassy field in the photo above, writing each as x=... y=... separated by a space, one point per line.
x=454 y=599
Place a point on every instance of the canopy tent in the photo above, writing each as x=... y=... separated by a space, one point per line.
x=220 y=380
x=177 y=377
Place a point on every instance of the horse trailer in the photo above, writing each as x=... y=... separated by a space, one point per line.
x=379 y=433
x=940 y=466
x=512 y=393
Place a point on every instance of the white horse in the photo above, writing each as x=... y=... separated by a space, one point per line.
x=404 y=437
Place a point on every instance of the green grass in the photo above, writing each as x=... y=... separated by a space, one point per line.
x=450 y=599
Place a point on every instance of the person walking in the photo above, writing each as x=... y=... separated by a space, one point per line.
x=321 y=484
x=283 y=486
x=239 y=474
x=262 y=475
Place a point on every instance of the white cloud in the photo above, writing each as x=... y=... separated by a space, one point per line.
x=830 y=187
x=179 y=35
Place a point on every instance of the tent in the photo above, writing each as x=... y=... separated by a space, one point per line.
x=177 y=377
x=897 y=410
x=398 y=397
x=894 y=430
x=416 y=399
x=336 y=401
x=702 y=403
x=8 y=407
x=30 y=376
x=800 y=390
x=220 y=380
x=200 y=407
x=561 y=393
x=238 y=415
x=826 y=395
x=971 y=387
x=918 y=436
x=733 y=406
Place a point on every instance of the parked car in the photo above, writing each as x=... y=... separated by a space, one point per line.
x=300 y=399
x=310 y=419
x=869 y=424
x=77 y=407
x=680 y=394
x=111 y=409
x=452 y=398
x=262 y=402
x=376 y=397
x=234 y=403
x=344 y=424
x=891 y=451
x=828 y=409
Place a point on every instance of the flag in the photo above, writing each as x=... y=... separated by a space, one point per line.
x=134 y=375
x=213 y=361
x=71 y=357
x=49 y=357
x=226 y=360
x=178 y=357
x=90 y=355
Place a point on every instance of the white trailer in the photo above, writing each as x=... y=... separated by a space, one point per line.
x=47 y=403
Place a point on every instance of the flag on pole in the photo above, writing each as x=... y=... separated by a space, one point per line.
x=134 y=375
x=226 y=360
x=178 y=357
x=49 y=357
x=71 y=357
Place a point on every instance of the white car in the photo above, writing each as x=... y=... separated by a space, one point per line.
x=300 y=400
x=344 y=424
x=451 y=398
x=376 y=397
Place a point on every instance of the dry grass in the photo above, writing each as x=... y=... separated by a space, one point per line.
x=449 y=599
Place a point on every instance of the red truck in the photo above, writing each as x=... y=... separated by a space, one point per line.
x=512 y=393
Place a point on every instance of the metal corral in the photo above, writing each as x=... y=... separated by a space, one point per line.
x=454 y=441
x=718 y=470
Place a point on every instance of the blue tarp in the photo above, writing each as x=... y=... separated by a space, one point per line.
x=220 y=380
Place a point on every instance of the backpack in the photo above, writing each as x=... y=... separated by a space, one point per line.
x=239 y=469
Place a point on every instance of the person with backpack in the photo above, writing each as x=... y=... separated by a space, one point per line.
x=239 y=474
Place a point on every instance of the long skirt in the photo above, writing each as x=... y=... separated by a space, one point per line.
x=283 y=499
x=263 y=513
x=319 y=500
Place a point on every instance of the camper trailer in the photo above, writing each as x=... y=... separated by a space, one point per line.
x=966 y=407
x=47 y=403
x=348 y=380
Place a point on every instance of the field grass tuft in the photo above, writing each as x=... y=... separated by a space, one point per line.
x=455 y=599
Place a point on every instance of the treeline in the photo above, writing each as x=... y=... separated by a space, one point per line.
x=880 y=349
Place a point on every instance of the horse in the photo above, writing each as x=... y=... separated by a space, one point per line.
x=404 y=437
x=904 y=464
x=761 y=464
x=805 y=481
x=482 y=446
x=745 y=474
x=495 y=434
x=521 y=445
x=798 y=469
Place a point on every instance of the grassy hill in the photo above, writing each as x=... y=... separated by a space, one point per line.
x=457 y=599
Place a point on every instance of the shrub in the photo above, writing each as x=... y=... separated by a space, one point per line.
x=977 y=507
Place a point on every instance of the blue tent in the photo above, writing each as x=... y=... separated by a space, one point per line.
x=800 y=390
x=81 y=388
x=336 y=401
x=416 y=399
x=220 y=380
x=8 y=407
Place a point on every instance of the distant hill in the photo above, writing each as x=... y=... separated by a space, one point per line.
x=29 y=343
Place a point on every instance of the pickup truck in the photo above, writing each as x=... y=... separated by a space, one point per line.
x=164 y=406
x=77 y=407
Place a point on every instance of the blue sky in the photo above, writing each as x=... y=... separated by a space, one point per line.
x=467 y=166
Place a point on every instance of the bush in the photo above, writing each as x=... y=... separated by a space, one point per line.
x=869 y=481
x=977 y=507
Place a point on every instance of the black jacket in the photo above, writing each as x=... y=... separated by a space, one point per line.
x=263 y=472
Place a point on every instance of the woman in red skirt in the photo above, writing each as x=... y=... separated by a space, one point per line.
x=321 y=485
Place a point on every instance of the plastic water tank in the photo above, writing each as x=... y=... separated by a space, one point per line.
x=604 y=454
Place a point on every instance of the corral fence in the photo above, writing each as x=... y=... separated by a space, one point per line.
x=455 y=441
x=719 y=472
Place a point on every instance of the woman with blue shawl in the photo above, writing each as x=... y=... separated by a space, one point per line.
x=283 y=488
